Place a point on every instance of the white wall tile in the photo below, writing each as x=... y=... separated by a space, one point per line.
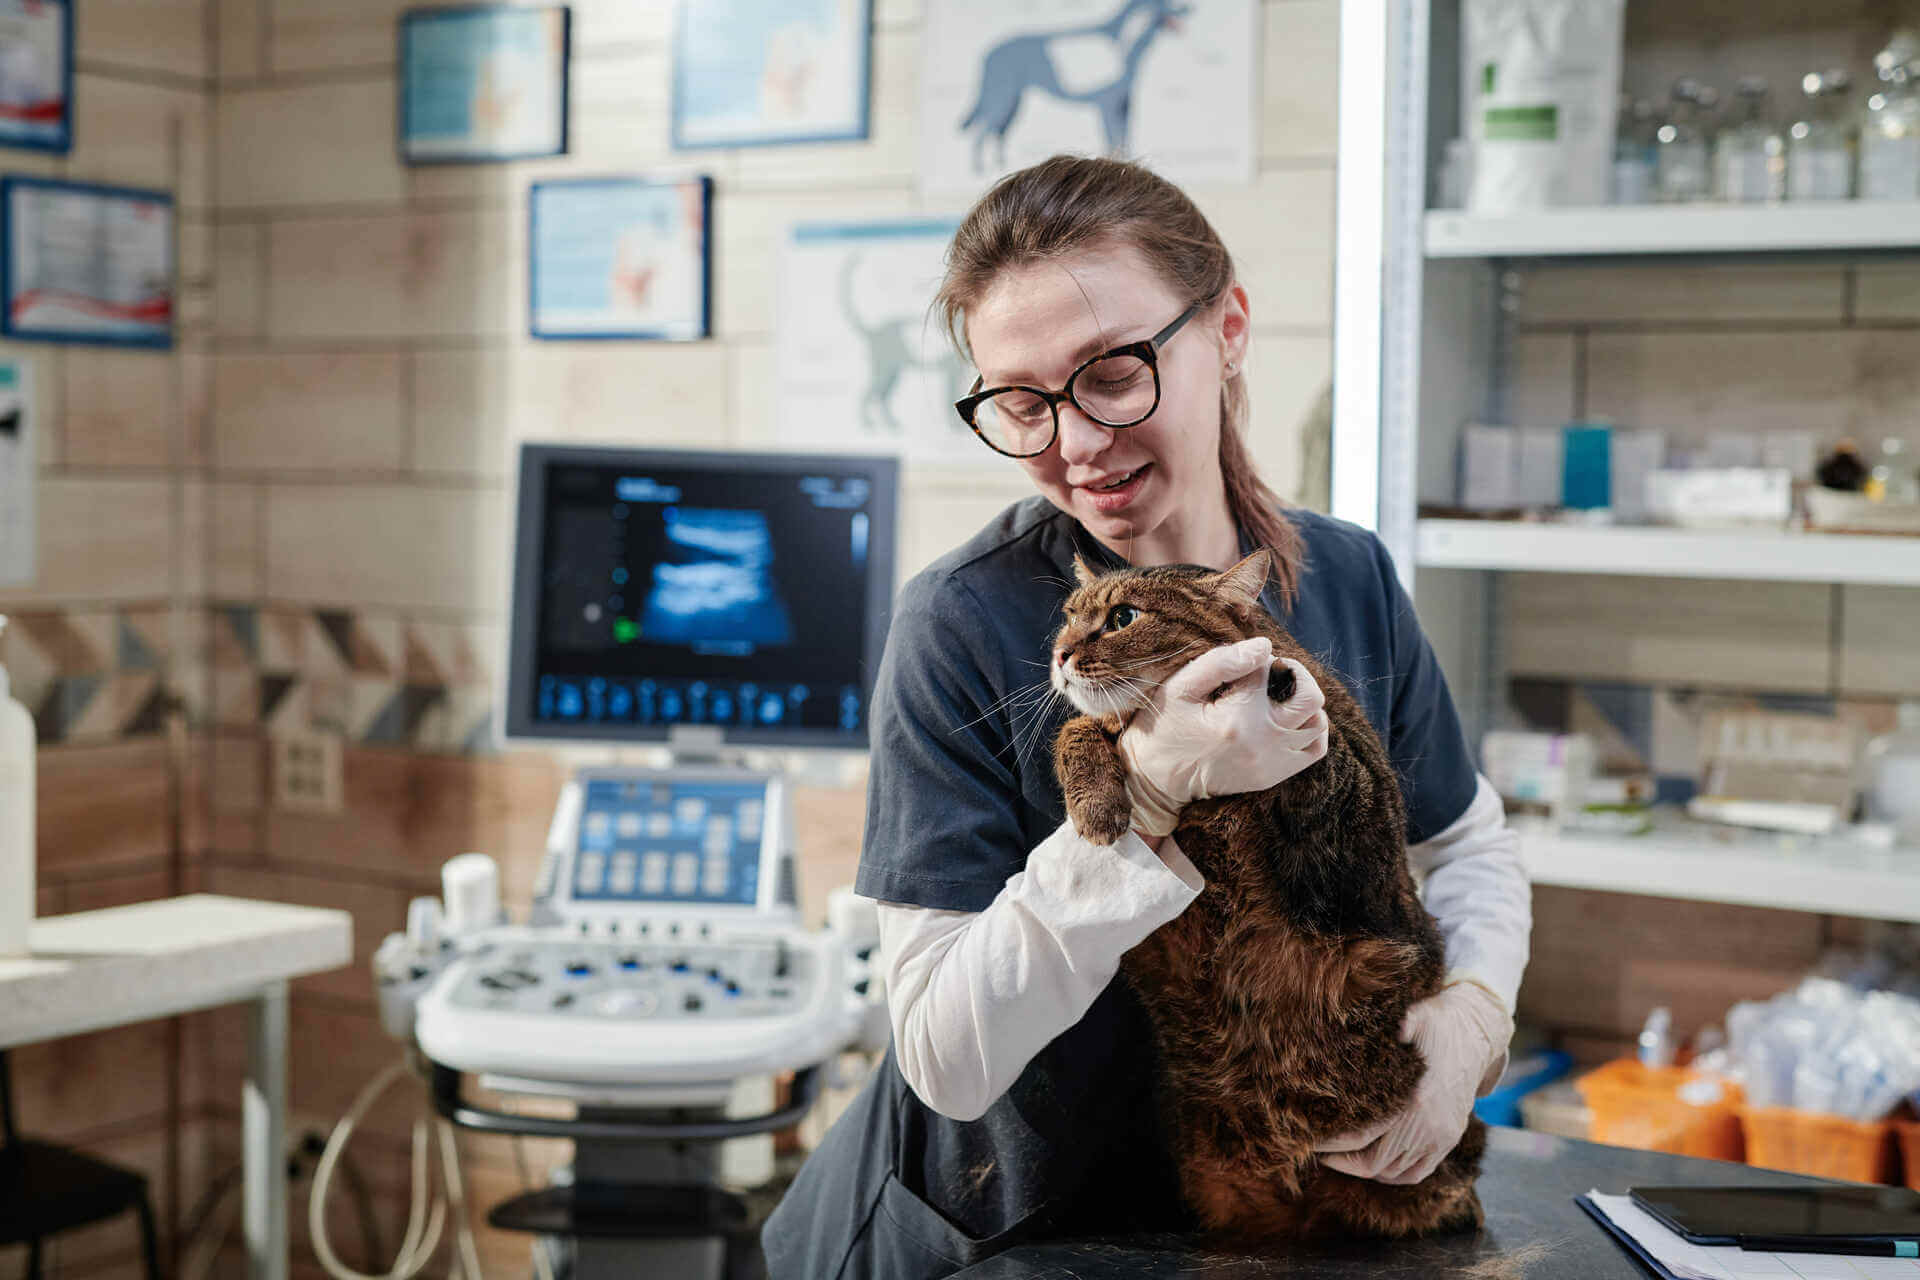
x=1880 y=640
x=239 y=285
x=1279 y=230
x=311 y=144
x=1285 y=379
x=471 y=408
x=120 y=408
x=290 y=412
x=239 y=37
x=1299 y=83
x=1750 y=635
x=134 y=134
x=1623 y=294
x=1541 y=379
x=1835 y=383
x=386 y=546
x=304 y=36
x=619 y=24
x=400 y=276
x=101 y=539
x=149 y=35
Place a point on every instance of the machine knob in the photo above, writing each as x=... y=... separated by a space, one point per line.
x=693 y=1003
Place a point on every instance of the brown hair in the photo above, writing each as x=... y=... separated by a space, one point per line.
x=1072 y=202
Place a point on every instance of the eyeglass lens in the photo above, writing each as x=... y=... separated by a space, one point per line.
x=1115 y=391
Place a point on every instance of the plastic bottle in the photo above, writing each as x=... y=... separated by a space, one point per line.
x=17 y=759
x=1633 y=154
x=1893 y=772
x=1820 y=144
x=1750 y=156
x=1656 y=1038
x=1683 y=168
x=1892 y=478
x=1890 y=133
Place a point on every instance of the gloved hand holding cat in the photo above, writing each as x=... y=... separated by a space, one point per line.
x=1186 y=744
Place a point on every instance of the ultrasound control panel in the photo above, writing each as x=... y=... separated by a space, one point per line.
x=624 y=981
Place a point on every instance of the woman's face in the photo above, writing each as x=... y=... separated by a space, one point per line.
x=1037 y=324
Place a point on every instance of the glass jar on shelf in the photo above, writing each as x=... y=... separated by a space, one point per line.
x=1633 y=149
x=1683 y=168
x=1750 y=156
x=1890 y=130
x=1820 y=144
x=1892 y=478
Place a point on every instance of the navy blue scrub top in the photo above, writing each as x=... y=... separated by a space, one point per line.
x=1073 y=1148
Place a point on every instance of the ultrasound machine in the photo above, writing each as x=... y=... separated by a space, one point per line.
x=729 y=607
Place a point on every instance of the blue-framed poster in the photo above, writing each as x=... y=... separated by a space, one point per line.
x=751 y=72
x=620 y=258
x=483 y=83
x=36 y=74
x=86 y=263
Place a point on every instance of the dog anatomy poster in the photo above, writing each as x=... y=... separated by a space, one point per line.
x=861 y=363
x=1011 y=82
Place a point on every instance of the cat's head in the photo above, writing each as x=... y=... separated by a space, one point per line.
x=1127 y=631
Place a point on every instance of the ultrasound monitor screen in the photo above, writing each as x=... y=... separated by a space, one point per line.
x=745 y=593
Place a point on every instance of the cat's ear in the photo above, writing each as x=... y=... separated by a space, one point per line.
x=1083 y=571
x=1244 y=582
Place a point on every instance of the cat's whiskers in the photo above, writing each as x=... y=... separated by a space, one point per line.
x=1026 y=691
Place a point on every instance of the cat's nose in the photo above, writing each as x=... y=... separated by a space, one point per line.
x=1060 y=657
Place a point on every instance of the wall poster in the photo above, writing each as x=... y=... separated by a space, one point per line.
x=861 y=364
x=619 y=258
x=482 y=83
x=1007 y=83
x=85 y=263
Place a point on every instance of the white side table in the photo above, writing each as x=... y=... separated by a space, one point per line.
x=98 y=969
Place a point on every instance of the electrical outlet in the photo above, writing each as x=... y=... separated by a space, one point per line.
x=307 y=772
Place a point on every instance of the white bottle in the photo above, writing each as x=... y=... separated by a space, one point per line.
x=17 y=748
x=1890 y=134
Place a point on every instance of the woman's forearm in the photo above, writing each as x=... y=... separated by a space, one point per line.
x=974 y=995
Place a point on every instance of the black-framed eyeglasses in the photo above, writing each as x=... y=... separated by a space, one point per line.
x=1117 y=388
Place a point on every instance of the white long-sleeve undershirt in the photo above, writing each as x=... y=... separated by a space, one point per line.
x=974 y=995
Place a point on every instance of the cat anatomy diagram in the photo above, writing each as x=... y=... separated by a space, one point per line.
x=1007 y=83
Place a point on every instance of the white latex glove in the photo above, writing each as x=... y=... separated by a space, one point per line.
x=1463 y=1033
x=1186 y=744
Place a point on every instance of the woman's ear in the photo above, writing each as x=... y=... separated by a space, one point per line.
x=1243 y=583
x=1236 y=328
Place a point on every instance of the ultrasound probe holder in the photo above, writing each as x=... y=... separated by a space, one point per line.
x=663 y=960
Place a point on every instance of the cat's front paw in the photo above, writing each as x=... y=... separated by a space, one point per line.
x=1101 y=819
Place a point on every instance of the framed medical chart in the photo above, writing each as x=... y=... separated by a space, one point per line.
x=620 y=258
x=1007 y=83
x=753 y=72
x=860 y=362
x=18 y=530
x=84 y=263
x=483 y=83
x=36 y=74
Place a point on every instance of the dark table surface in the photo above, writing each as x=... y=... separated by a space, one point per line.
x=1527 y=1188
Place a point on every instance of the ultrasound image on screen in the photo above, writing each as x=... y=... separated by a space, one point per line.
x=682 y=596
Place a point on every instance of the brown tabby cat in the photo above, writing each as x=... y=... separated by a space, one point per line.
x=1277 y=996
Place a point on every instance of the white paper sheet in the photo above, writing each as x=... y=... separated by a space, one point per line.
x=1726 y=1262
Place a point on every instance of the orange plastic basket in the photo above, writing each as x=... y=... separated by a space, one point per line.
x=1907 y=1132
x=1646 y=1107
x=1826 y=1146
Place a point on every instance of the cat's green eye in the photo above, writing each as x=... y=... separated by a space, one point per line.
x=1120 y=615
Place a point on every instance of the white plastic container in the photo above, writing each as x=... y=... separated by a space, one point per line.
x=1893 y=776
x=17 y=748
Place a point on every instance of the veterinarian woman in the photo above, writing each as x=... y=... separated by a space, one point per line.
x=1016 y=1103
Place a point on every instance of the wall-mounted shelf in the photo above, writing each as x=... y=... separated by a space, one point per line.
x=1668 y=553
x=1706 y=863
x=1836 y=226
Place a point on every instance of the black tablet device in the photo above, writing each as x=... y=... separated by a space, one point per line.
x=1715 y=1215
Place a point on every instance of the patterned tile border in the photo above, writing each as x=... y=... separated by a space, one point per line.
x=375 y=678
x=91 y=675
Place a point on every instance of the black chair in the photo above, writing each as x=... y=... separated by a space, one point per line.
x=46 y=1189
